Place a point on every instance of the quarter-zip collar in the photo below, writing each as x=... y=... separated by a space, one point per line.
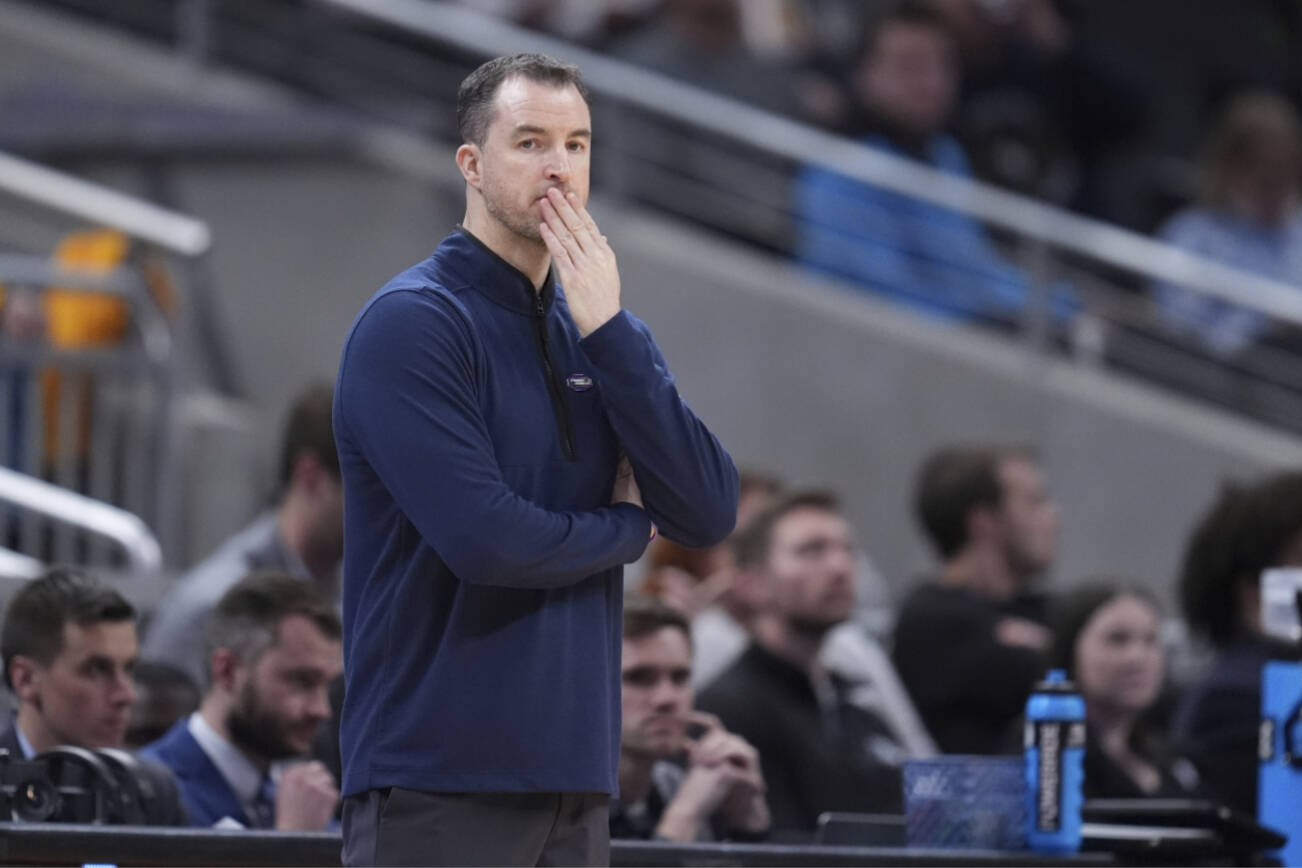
x=491 y=275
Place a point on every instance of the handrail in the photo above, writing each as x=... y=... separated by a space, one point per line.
x=127 y=530
x=28 y=269
x=103 y=207
x=14 y=565
x=1121 y=248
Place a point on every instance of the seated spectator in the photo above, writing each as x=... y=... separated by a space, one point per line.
x=303 y=537
x=717 y=793
x=970 y=644
x=819 y=750
x=274 y=647
x=1248 y=217
x=164 y=695
x=937 y=261
x=69 y=646
x=1106 y=638
x=1249 y=528
x=723 y=604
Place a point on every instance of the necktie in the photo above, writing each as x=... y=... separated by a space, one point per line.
x=262 y=812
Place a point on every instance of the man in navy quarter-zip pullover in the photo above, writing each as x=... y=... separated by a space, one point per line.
x=509 y=438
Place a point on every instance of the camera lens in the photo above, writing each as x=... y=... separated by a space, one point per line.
x=35 y=800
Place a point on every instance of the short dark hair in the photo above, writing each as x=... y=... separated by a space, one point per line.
x=34 y=622
x=908 y=13
x=644 y=615
x=1243 y=533
x=309 y=429
x=751 y=545
x=951 y=483
x=247 y=618
x=477 y=91
x=1074 y=609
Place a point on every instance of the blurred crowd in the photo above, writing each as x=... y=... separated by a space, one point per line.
x=765 y=681
x=1167 y=118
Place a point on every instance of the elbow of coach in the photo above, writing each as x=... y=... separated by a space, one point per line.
x=703 y=528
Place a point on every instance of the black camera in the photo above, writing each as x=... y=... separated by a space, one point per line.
x=75 y=785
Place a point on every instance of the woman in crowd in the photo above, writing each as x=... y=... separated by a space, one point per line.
x=1106 y=637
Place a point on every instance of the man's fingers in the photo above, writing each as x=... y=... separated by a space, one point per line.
x=560 y=254
x=566 y=208
x=572 y=242
x=585 y=215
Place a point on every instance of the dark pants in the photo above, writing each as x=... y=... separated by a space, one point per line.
x=394 y=826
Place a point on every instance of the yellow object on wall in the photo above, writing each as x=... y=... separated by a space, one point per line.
x=77 y=318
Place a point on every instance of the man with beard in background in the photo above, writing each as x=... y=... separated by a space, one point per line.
x=273 y=648
x=819 y=750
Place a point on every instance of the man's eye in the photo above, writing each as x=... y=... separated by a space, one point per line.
x=529 y=144
x=577 y=147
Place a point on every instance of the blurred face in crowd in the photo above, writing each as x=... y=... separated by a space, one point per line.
x=1265 y=186
x=1119 y=658
x=910 y=76
x=1028 y=518
x=656 y=677
x=539 y=138
x=83 y=696
x=811 y=567
x=282 y=698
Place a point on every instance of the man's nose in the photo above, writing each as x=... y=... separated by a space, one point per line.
x=319 y=704
x=667 y=694
x=558 y=166
x=124 y=689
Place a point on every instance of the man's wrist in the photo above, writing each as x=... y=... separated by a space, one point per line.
x=678 y=824
x=588 y=327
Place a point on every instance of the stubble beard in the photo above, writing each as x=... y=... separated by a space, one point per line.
x=813 y=626
x=255 y=730
x=523 y=224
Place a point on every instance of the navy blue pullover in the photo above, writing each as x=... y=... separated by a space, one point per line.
x=483 y=561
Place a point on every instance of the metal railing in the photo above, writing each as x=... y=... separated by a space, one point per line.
x=96 y=205
x=137 y=543
x=89 y=440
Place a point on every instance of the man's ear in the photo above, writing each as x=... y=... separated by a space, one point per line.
x=468 y=161
x=308 y=471
x=753 y=586
x=25 y=675
x=982 y=522
x=225 y=665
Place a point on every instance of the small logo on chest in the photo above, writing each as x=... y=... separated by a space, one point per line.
x=579 y=382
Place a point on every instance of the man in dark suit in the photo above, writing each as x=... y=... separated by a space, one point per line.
x=273 y=649
x=69 y=647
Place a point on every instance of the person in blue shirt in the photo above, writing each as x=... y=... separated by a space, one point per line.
x=936 y=261
x=509 y=438
x=1249 y=217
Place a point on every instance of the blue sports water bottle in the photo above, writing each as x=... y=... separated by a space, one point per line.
x=1055 y=754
